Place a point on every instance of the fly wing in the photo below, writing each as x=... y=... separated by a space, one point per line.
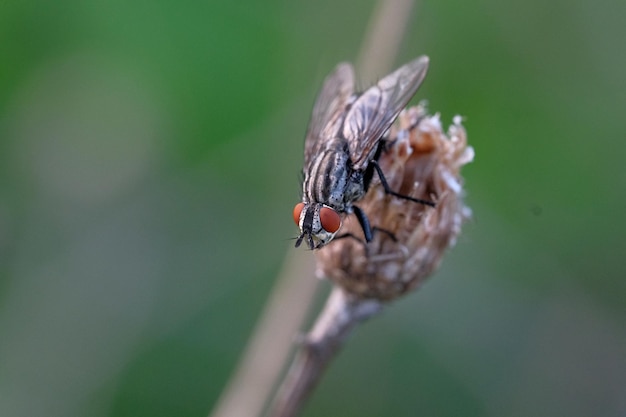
x=328 y=109
x=376 y=109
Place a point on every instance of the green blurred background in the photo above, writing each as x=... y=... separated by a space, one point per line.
x=149 y=162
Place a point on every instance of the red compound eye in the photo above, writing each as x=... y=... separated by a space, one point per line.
x=297 y=210
x=331 y=222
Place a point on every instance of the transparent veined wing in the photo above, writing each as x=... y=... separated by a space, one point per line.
x=375 y=110
x=328 y=110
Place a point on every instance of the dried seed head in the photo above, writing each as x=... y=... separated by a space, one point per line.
x=421 y=161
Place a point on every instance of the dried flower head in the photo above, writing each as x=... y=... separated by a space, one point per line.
x=420 y=161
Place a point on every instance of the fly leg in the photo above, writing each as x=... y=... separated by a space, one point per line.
x=364 y=222
x=365 y=245
x=351 y=236
x=385 y=231
x=368 y=230
x=388 y=190
x=365 y=225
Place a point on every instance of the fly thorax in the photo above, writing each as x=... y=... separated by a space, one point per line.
x=354 y=188
x=327 y=177
x=338 y=180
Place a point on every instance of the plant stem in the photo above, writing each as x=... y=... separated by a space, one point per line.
x=340 y=314
x=251 y=385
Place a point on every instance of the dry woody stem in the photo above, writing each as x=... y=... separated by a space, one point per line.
x=341 y=313
x=422 y=161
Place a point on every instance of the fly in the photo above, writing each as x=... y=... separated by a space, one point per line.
x=343 y=143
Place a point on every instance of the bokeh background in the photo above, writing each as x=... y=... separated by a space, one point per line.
x=149 y=162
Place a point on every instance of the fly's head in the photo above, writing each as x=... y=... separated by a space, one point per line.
x=318 y=224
